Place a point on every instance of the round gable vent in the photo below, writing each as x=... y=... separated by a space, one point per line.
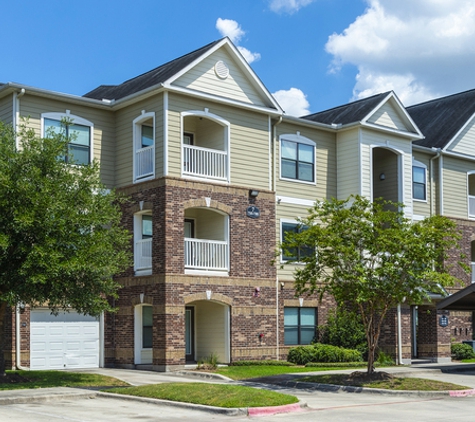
x=221 y=69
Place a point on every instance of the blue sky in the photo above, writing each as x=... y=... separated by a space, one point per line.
x=312 y=54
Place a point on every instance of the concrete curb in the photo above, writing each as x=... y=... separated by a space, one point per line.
x=49 y=394
x=203 y=375
x=348 y=389
x=236 y=411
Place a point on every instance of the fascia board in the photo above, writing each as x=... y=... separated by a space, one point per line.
x=410 y=135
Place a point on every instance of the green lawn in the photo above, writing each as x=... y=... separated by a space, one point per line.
x=258 y=371
x=219 y=395
x=16 y=380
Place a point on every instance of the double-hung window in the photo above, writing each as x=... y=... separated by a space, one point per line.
x=297 y=158
x=299 y=252
x=419 y=180
x=78 y=132
x=143 y=234
x=300 y=325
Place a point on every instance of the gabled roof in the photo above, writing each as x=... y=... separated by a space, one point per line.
x=463 y=300
x=353 y=112
x=441 y=119
x=146 y=80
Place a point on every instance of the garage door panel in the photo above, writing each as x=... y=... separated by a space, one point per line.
x=68 y=340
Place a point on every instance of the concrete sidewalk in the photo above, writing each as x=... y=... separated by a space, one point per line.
x=456 y=373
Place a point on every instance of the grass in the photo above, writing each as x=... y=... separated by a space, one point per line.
x=258 y=371
x=17 y=380
x=389 y=383
x=218 y=395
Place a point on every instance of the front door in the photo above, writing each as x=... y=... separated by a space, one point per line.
x=189 y=334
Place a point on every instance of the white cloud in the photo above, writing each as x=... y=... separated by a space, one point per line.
x=419 y=48
x=231 y=29
x=293 y=101
x=288 y=6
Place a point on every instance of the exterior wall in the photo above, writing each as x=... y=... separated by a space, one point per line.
x=124 y=143
x=465 y=140
x=455 y=186
x=31 y=108
x=388 y=116
x=236 y=86
x=6 y=109
x=249 y=140
x=424 y=208
x=348 y=168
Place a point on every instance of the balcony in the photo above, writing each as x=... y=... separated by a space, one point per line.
x=143 y=255
x=144 y=158
x=206 y=255
x=205 y=163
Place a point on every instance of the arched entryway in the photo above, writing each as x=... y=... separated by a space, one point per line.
x=386 y=175
x=207 y=330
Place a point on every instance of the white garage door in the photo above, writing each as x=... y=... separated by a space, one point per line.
x=69 y=340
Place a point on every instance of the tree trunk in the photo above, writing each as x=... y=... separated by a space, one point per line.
x=3 y=336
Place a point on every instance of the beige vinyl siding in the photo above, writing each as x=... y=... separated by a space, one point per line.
x=249 y=140
x=455 y=186
x=390 y=116
x=287 y=212
x=465 y=141
x=348 y=164
x=6 y=109
x=236 y=86
x=423 y=208
x=32 y=107
x=210 y=330
x=125 y=140
x=325 y=165
x=208 y=224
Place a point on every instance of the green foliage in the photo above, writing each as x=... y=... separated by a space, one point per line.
x=344 y=328
x=61 y=240
x=369 y=255
x=335 y=365
x=461 y=351
x=262 y=363
x=384 y=360
x=210 y=362
x=301 y=355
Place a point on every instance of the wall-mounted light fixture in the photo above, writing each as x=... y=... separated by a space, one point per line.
x=281 y=285
x=253 y=193
x=382 y=177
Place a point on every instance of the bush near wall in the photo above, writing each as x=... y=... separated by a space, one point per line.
x=301 y=355
x=462 y=351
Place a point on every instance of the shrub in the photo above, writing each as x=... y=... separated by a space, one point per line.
x=344 y=328
x=210 y=362
x=384 y=359
x=301 y=355
x=462 y=351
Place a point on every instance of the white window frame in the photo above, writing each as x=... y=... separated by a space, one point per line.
x=299 y=139
x=138 y=236
x=138 y=334
x=138 y=122
x=289 y=221
x=77 y=120
x=418 y=164
x=469 y=215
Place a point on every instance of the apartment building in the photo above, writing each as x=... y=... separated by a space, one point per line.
x=216 y=173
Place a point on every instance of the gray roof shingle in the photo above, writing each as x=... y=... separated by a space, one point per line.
x=148 y=79
x=348 y=113
x=440 y=119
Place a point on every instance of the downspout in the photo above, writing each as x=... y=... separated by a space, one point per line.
x=399 y=334
x=16 y=112
x=274 y=186
x=18 y=341
x=439 y=153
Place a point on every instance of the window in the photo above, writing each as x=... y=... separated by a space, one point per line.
x=143 y=233
x=299 y=325
x=147 y=136
x=296 y=254
x=147 y=327
x=78 y=131
x=297 y=159
x=419 y=180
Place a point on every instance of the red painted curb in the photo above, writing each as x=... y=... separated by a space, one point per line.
x=272 y=410
x=462 y=393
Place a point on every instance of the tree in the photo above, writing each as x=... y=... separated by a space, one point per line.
x=370 y=256
x=61 y=240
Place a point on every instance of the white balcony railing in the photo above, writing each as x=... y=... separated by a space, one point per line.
x=205 y=162
x=143 y=254
x=473 y=272
x=203 y=254
x=144 y=162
